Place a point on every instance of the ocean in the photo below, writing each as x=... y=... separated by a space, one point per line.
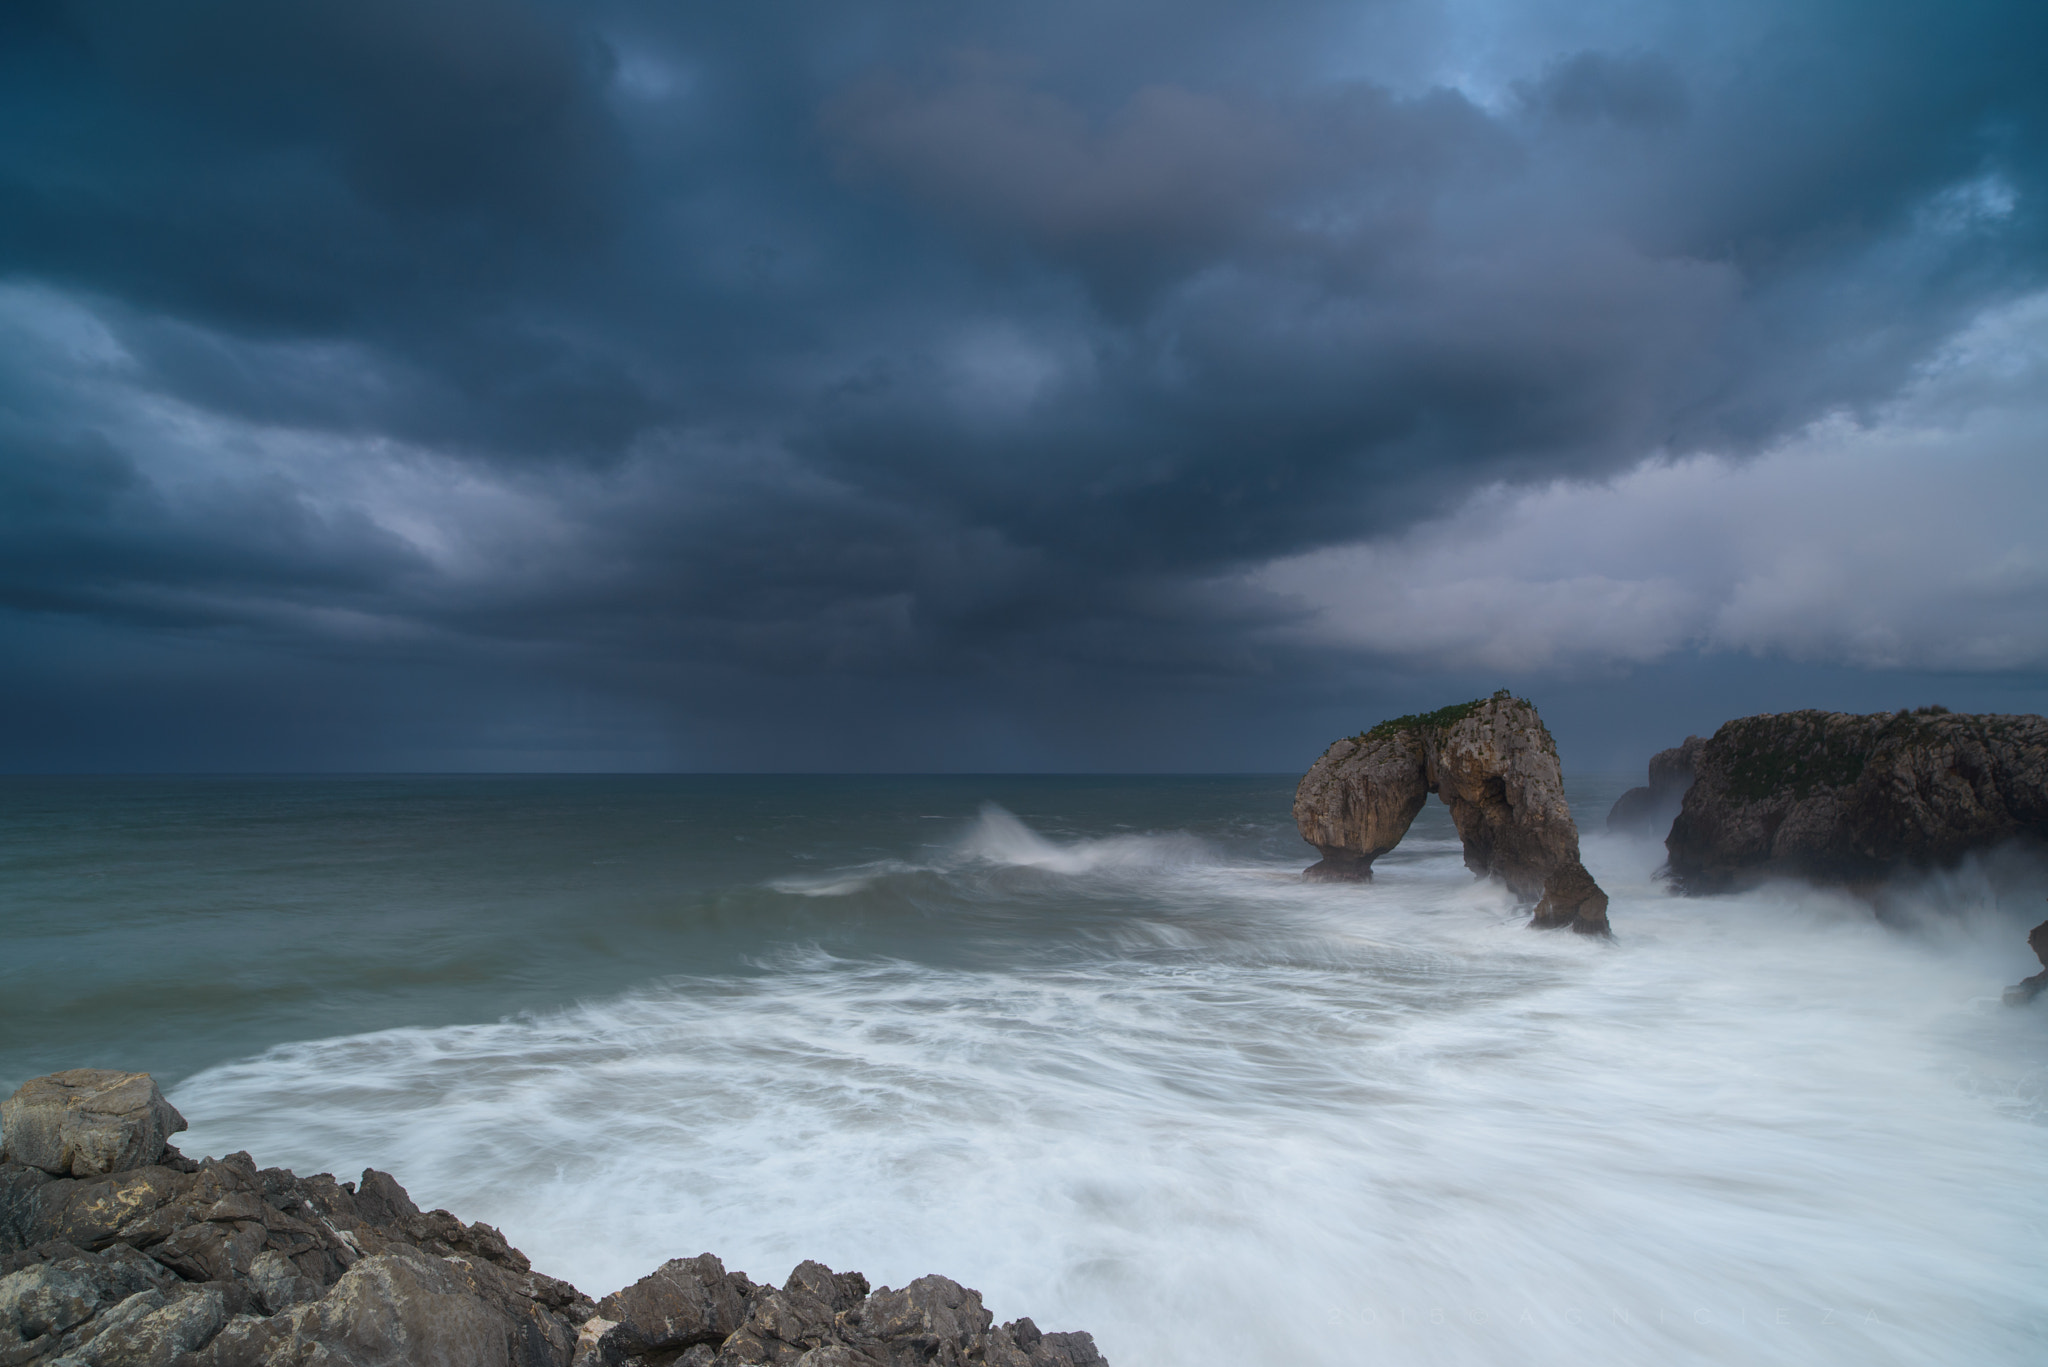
x=1086 y=1044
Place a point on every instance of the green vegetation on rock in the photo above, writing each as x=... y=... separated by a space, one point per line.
x=1440 y=720
x=1790 y=753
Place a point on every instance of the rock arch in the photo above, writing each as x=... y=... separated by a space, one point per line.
x=1495 y=766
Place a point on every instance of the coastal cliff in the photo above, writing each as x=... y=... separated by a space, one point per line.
x=116 y=1251
x=1835 y=797
x=1495 y=766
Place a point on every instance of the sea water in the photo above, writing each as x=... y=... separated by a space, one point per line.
x=1087 y=1045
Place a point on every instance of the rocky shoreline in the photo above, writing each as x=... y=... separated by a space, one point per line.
x=117 y=1251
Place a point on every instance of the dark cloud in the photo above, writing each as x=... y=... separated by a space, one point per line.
x=718 y=360
x=1633 y=89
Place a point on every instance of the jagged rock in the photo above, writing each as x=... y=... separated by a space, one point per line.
x=1648 y=811
x=1838 y=798
x=220 y=1264
x=389 y=1310
x=1020 y=1344
x=684 y=1301
x=2026 y=989
x=150 y=1329
x=1494 y=764
x=47 y=1298
x=87 y=1121
x=930 y=1313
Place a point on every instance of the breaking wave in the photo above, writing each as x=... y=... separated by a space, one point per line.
x=997 y=840
x=1271 y=1123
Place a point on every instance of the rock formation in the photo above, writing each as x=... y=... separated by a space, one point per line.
x=86 y=1122
x=129 y=1255
x=1649 y=811
x=2026 y=989
x=1839 y=798
x=1494 y=764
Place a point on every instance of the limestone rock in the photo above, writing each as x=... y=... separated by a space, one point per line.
x=1839 y=798
x=1494 y=764
x=86 y=1122
x=1358 y=800
x=1649 y=810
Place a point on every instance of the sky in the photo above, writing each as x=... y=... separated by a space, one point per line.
x=1120 y=385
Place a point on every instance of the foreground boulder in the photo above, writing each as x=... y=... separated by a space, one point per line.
x=87 y=1121
x=1495 y=765
x=164 y=1262
x=1649 y=810
x=1834 y=797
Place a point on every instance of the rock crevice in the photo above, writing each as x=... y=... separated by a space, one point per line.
x=1495 y=766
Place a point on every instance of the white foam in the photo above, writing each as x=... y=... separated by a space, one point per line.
x=1275 y=1123
x=999 y=838
x=843 y=882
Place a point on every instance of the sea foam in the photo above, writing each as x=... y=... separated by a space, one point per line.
x=1225 y=1117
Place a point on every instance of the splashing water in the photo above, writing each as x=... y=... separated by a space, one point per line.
x=1271 y=1123
x=1149 y=1084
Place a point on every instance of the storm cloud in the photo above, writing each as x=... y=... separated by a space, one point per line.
x=490 y=383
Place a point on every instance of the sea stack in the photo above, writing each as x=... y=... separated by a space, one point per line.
x=1495 y=766
x=1649 y=810
x=1834 y=797
x=2026 y=989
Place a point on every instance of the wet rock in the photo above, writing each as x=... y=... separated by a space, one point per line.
x=1650 y=810
x=381 y=1201
x=931 y=1313
x=782 y=1326
x=1495 y=765
x=1075 y=1349
x=1833 y=797
x=87 y=1122
x=219 y=1264
x=684 y=1301
x=839 y=1290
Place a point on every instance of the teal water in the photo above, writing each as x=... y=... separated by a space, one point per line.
x=172 y=924
x=1087 y=1044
